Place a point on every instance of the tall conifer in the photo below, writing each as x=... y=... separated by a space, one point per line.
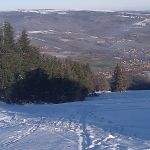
x=119 y=79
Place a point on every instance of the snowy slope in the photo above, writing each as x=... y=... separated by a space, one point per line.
x=112 y=121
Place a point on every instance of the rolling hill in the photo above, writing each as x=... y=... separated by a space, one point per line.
x=89 y=36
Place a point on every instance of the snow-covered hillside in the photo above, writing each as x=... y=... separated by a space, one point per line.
x=112 y=121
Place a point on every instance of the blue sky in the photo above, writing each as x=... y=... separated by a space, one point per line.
x=76 y=4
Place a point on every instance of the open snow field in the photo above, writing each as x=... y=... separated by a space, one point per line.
x=112 y=121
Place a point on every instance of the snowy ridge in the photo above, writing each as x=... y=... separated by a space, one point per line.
x=98 y=123
x=59 y=11
x=44 y=11
x=41 y=32
x=143 y=23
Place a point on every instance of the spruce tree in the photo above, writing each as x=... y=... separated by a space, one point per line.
x=24 y=42
x=1 y=40
x=8 y=37
x=1 y=67
x=1 y=62
x=104 y=84
x=29 y=55
x=119 y=79
x=8 y=56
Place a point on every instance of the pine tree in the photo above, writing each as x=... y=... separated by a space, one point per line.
x=8 y=37
x=1 y=40
x=29 y=55
x=1 y=67
x=119 y=79
x=8 y=56
x=24 y=42
x=2 y=61
x=104 y=84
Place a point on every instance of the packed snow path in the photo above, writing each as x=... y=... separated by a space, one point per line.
x=113 y=121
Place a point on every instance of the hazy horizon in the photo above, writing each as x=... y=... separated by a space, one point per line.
x=111 y=5
x=103 y=10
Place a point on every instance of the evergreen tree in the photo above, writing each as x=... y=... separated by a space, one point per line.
x=29 y=55
x=1 y=51
x=24 y=42
x=1 y=40
x=1 y=65
x=8 y=37
x=8 y=56
x=119 y=79
x=1 y=70
x=104 y=84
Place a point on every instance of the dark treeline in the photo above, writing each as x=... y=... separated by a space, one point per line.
x=139 y=82
x=26 y=76
x=118 y=83
x=122 y=81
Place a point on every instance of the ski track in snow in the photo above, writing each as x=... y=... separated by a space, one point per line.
x=78 y=128
x=18 y=135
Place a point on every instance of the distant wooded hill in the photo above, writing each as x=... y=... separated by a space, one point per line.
x=90 y=36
